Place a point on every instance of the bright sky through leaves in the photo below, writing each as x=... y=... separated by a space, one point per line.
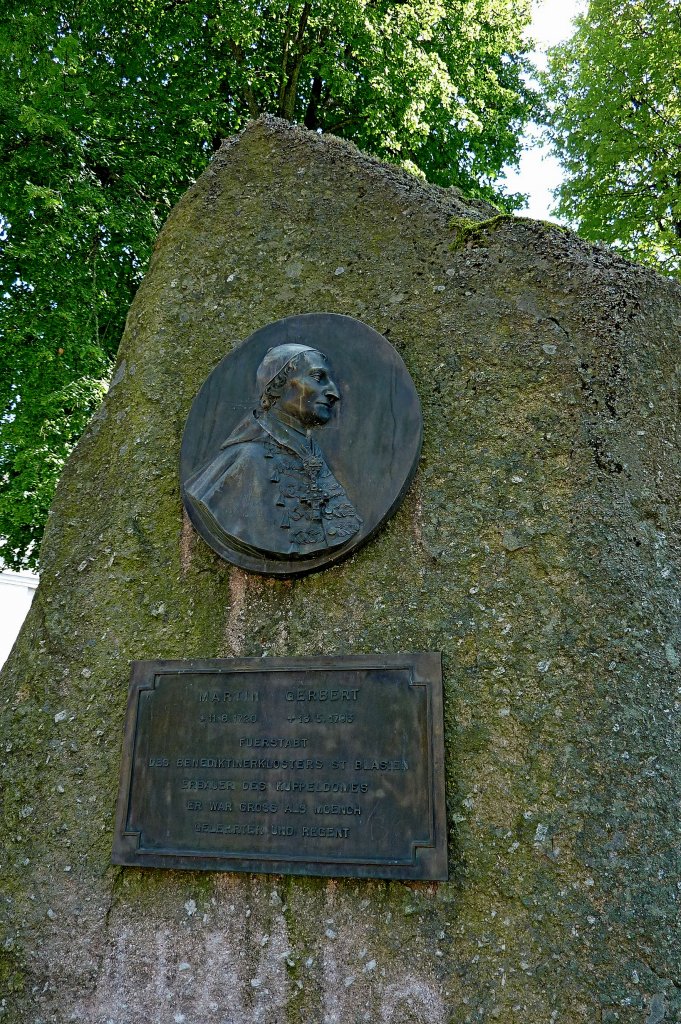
x=540 y=173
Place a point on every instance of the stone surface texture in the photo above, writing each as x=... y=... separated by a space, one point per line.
x=538 y=550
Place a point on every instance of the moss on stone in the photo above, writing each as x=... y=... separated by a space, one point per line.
x=468 y=230
x=12 y=974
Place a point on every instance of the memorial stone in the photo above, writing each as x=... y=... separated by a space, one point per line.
x=537 y=549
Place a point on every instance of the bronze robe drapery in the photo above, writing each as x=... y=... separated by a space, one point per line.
x=269 y=492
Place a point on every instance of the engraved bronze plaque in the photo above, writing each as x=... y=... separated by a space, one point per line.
x=308 y=766
x=300 y=444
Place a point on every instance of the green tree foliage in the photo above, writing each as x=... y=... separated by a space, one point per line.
x=108 y=111
x=614 y=90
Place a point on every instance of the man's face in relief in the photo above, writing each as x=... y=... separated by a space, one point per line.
x=310 y=392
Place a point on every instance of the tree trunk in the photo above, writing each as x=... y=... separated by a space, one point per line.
x=312 y=112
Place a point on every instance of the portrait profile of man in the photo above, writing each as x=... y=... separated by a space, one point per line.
x=268 y=492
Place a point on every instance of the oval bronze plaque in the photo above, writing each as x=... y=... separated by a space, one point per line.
x=300 y=444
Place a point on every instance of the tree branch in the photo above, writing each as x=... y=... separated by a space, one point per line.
x=291 y=64
x=247 y=88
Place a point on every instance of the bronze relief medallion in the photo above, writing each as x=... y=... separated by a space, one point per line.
x=300 y=444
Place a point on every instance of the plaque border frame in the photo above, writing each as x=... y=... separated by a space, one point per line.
x=428 y=861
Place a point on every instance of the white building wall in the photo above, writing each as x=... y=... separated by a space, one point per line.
x=16 y=593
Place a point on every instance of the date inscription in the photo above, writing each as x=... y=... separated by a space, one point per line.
x=325 y=766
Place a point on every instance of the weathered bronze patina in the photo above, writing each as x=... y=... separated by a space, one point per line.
x=257 y=484
x=320 y=766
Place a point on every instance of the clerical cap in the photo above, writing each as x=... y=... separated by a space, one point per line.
x=277 y=359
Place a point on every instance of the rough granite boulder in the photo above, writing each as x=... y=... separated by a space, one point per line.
x=537 y=549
